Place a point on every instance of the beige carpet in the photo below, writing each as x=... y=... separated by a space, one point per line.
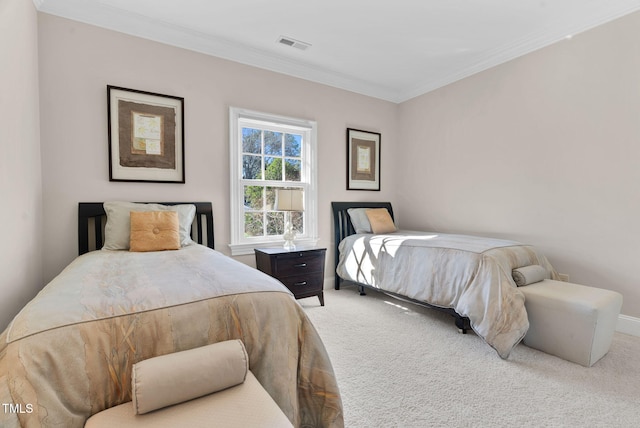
x=399 y=365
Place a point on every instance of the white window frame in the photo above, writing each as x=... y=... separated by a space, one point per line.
x=239 y=118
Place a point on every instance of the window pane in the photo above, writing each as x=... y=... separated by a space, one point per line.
x=251 y=167
x=253 y=197
x=275 y=223
x=297 y=219
x=271 y=198
x=253 y=224
x=273 y=143
x=292 y=145
x=292 y=169
x=251 y=140
x=273 y=168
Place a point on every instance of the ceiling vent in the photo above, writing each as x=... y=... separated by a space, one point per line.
x=288 y=41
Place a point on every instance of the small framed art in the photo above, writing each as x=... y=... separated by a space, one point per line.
x=146 y=136
x=363 y=160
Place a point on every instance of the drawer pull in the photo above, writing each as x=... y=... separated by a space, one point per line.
x=300 y=265
x=300 y=283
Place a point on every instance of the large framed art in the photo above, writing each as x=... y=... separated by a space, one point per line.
x=363 y=160
x=146 y=136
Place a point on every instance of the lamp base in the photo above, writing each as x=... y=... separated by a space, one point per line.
x=289 y=235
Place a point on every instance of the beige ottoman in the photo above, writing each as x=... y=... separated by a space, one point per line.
x=571 y=321
x=209 y=386
x=241 y=406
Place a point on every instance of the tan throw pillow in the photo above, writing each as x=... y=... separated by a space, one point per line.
x=381 y=221
x=154 y=231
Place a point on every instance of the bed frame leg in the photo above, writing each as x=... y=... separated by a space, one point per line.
x=361 y=290
x=463 y=324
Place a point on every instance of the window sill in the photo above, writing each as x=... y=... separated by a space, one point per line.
x=244 y=249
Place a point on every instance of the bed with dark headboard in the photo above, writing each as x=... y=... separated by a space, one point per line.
x=343 y=227
x=469 y=277
x=69 y=352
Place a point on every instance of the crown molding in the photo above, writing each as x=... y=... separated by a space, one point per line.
x=116 y=19
x=521 y=47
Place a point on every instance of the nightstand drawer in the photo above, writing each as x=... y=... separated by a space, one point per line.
x=299 y=263
x=303 y=284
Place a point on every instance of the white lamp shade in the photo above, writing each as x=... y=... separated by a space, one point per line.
x=289 y=200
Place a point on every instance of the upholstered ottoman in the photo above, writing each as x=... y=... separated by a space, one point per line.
x=241 y=406
x=571 y=321
x=209 y=386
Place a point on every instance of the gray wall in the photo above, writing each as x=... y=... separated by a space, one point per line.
x=20 y=170
x=544 y=149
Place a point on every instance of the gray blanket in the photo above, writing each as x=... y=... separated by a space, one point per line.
x=469 y=274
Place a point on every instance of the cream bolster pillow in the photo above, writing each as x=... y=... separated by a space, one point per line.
x=174 y=378
x=530 y=274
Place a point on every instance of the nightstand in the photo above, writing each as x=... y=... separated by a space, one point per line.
x=300 y=270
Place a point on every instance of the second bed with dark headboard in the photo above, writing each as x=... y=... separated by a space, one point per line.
x=469 y=277
x=343 y=227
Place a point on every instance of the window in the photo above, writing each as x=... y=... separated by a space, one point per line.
x=270 y=152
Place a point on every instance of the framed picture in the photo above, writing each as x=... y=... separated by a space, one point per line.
x=146 y=136
x=363 y=160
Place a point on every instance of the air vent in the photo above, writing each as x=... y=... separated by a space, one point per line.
x=288 y=41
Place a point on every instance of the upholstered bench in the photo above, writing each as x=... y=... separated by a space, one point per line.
x=571 y=321
x=209 y=386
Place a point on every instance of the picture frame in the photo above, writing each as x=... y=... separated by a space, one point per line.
x=146 y=136
x=363 y=160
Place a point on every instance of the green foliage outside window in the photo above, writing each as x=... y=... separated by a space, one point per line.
x=280 y=156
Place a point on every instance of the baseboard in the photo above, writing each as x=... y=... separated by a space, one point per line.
x=628 y=325
x=328 y=282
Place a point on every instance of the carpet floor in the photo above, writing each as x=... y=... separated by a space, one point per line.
x=401 y=365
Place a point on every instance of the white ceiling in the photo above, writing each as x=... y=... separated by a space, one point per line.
x=393 y=50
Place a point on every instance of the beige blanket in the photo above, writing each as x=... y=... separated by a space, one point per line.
x=68 y=354
x=469 y=274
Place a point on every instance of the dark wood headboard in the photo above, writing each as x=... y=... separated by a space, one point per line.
x=92 y=218
x=342 y=226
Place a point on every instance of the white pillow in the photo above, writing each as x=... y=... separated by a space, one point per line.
x=360 y=220
x=117 y=231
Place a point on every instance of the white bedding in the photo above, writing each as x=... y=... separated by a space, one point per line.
x=120 y=282
x=469 y=274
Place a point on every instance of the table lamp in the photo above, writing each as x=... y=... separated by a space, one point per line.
x=288 y=200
